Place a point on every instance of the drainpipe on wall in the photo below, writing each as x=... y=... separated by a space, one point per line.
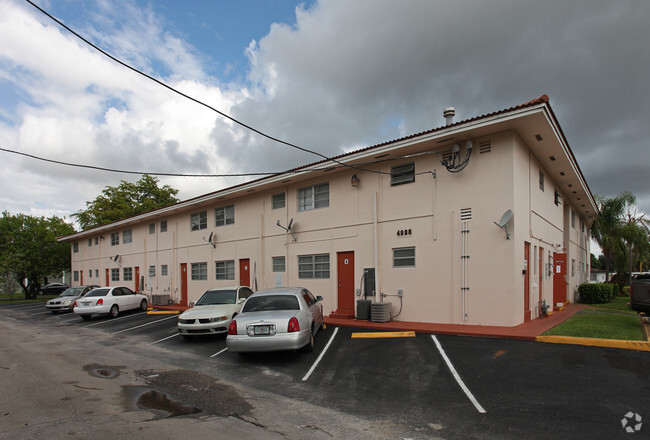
x=376 y=240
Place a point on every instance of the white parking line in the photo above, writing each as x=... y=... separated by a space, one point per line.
x=40 y=313
x=145 y=324
x=114 y=319
x=218 y=353
x=468 y=393
x=313 y=367
x=164 y=339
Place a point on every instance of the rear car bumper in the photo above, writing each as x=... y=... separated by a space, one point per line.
x=92 y=310
x=277 y=342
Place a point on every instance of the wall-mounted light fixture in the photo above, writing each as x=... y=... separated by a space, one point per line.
x=355 y=180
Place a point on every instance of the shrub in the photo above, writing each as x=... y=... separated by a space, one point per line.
x=596 y=293
x=625 y=292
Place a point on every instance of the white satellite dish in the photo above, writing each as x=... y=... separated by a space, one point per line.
x=503 y=223
x=209 y=240
x=288 y=228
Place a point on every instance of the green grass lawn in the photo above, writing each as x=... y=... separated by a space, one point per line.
x=613 y=320
x=17 y=298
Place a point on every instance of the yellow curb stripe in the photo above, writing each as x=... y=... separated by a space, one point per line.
x=383 y=335
x=163 y=312
x=594 y=342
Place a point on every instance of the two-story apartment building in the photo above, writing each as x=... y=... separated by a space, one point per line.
x=473 y=222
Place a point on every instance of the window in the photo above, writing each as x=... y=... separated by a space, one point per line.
x=127 y=274
x=541 y=180
x=199 y=271
x=314 y=197
x=75 y=247
x=199 y=221
x=96 y=273
x=152 y=271
x=557 y=198
x=225 y=270
x=90 y=273
x=90 y=242
x=314 y=266
x=115 y=238
x=402 y=174
x=573 y=268
x=75 y=275
x=163 y=225
x=163 y=270
x=278 y=201
x=404 y=257
x=573 y=219
x=115 y=274
x=127 y=236
x=224 y=216
x=96 y=241
x=278 y=264
x=152 y=228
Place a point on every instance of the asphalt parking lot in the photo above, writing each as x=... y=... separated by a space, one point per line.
x=443 y=386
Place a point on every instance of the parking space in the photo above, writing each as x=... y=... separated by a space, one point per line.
x=421 y=382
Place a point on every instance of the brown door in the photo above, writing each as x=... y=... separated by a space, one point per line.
x=541 y=268
x=526 y=282
x=81 y=277
x=559 y=279
x=108 y=278
x=137 y=278
x=184 y=284
x=345 y=271
x=245 y=272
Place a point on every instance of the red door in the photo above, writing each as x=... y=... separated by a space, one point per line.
x=81 y=277
x=108 y=278
x=559 y=279
x=526 y=283
x=244 y=272
x=541 y=268
x=137 y=278
x=345 y=271
x=184 y=284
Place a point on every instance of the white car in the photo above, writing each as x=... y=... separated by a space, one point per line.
x=109 y=301
x=284 y=318
x=212 y=313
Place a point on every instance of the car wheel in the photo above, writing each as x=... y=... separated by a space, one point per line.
x=310 y=345
x=114 y=311
x=54 y=312
x=85 y=317
x=143 y=305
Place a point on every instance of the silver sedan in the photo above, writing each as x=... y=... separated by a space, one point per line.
x=284 y=318
x=65 y=301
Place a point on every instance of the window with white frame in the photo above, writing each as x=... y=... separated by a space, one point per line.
x=127 y=273
x=199 y=221
x=115 y=238
x=152 y=228
x=404 y=257
x=152 y=271
x=224 y=216
x=163 y=270
x=225 y=270
x=75 y=275
x=402 y=174
x=90 y=273
x=75 y=247
x=278 y=201
x=279 y=264
x=314 y=197
x=314 y=266
x=96 y=273
x=199 y=271
x=163 y=225
x=127 y=236
x=115 y=274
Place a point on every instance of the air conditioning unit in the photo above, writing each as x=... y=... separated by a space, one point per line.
x=160 y=300
x=380 y=312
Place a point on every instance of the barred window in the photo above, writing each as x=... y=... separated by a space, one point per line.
x=279 y=264
x=127 y=236
x=199 y=271
x=127 y=274
x=278 y=201
x=115 y=238
x=404 y=257
x=225 y=216
x=115 y=274
x=314 y=266
x=163 y=225
x=163 y=270
x=225 y=270
x=314 y=197
x=199 y=221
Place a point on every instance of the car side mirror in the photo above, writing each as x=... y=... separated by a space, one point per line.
x=241 y=300
x=319 y=298
x=192 y=304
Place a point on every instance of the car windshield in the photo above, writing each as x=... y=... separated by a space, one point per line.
x=212 y=297
x=73 y=291
x=97 y=292
x=271 y=302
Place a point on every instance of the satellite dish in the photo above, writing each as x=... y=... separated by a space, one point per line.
x=503 y=223
x=290 y=223
x=117 y=257
x=288 y=228
x=505 y=218
x=210 y=238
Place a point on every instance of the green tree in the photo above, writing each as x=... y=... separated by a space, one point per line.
x=126 y=200
x=595 y=262
x=29 y=250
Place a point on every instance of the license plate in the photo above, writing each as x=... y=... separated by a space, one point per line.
x=86 y=304
x=262 y=330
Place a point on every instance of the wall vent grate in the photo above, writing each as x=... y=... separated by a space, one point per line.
x=466 y=214
x=485 y=147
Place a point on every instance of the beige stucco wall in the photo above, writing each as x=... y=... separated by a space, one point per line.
x=504 y=178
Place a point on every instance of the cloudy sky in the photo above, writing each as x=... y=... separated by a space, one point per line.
x=328 y=75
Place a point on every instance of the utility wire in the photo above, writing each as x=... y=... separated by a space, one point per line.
x=236 y=121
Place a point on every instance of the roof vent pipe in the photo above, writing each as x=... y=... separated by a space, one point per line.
x=449 y=114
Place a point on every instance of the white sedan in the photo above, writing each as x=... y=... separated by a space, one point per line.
x=284 y=318
x=109 y=301
x=213 y=312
